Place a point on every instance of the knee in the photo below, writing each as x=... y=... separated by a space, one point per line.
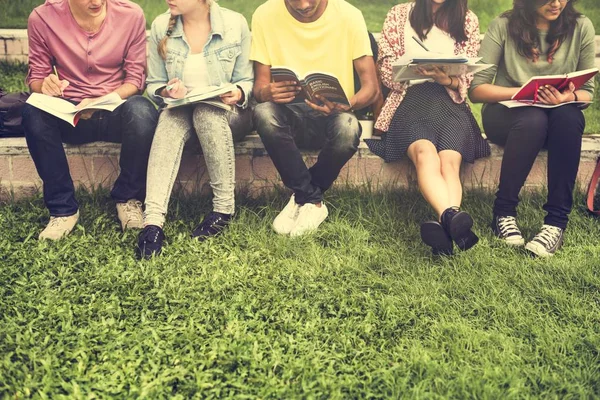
x=423 y=153
x=267 y=116
x=449 y=167
x=348 y=131
x=569 y=118
x=35 y=122
x=140 y=111
x=533 y=121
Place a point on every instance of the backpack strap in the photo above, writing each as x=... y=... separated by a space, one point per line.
x=592 y=189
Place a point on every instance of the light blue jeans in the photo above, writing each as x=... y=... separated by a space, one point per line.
x=216 y=130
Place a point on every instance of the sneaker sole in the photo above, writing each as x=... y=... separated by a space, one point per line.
x=436 y=237
x=513 y=242
x=538 y=250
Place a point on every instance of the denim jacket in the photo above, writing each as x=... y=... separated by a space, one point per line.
x=226 y=53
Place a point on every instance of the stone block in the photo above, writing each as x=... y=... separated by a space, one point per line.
x=4 y=169
x=81 y=171
x=263 y=169
x=106 y=170
x=243 y=170
x=23 y=169
x=13 y=47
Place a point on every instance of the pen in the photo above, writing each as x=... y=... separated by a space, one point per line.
x=169 y=87
x=56 y=73
x=416 y=39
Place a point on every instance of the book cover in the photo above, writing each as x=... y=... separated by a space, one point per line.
x=528 y=92
x=313 y=83
x=67 y=111
x=208 y=95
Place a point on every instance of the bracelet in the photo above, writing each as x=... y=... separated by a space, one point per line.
x=451 y=82
x=576 y=98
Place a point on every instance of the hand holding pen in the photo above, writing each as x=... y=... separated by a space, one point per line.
x=53 y=85
x=175 y=89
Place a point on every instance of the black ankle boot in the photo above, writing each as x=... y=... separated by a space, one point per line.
x=458 y=225
x=434 y=235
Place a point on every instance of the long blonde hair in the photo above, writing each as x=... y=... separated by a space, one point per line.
x=162 y=46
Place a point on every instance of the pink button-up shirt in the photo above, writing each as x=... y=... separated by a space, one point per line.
x=94 y=64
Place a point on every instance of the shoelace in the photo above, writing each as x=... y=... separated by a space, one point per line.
x=508 y=226
x=149 y=235
x=131 y=210
x=548 y=236
x=55 y=221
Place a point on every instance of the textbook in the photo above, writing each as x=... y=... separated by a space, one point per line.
x=531 y=103
x=528 y=92
x=66 y=110
x=313 y=83
x=402 y=71
x=208 y=95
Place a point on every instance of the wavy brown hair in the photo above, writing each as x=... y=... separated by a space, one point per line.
x=450 y=17
x=522 y=27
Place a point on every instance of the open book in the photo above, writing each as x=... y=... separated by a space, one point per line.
x=528 y=92
x=66 y=110
x=208 y=95
x=406 y=71
x=313 y=83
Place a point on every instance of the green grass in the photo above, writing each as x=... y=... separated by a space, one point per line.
x=15 y=13
x=357 y=310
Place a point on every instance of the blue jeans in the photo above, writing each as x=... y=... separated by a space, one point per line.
x=283 y=132
x=132 y=124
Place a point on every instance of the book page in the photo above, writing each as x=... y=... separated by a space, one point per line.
x=409 y=72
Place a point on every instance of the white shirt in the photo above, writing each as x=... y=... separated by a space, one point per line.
x=195 y=74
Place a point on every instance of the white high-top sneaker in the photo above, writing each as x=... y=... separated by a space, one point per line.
x=309 y=218
x=286 y=219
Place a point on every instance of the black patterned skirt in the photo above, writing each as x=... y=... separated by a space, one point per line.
x=427 y=112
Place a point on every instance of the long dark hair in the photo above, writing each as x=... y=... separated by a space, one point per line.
x=450 y=17
x=522 y=27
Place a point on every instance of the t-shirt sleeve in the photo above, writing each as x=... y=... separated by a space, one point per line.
x=491 y=52
x=258 y=48
x=40 y=58
x=362 y=43
x=587 y=54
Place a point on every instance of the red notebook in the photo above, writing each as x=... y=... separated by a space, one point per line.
x=528 y=92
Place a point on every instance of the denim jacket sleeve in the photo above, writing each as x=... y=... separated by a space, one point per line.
x=243 y=72
x=157 y=71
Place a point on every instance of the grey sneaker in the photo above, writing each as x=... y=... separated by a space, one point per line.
x=547 y=241
x=130 y=214
x=506 y=229
x=286 y=219
x=59 y=227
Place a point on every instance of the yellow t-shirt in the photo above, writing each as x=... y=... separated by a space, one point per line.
x=329 y=44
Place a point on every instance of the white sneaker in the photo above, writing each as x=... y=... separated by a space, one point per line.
x=547 y=241
x=130 y=214
x=59 y=227
x=286 y=219
x=309 y=219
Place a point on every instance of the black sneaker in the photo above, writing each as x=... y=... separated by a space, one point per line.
x=458 y=225
x=212 y=225
x=434 y=235
x=150 y=241
x=506 y=229
x=547 y=241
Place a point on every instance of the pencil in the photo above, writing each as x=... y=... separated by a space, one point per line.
x=416 y=39
x=56 y=73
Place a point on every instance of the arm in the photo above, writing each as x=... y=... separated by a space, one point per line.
x=587 y=56
x=157 y=70
x=243 y=75
x=471 y=51
x=391 y=37
x=369 y=85
x=492 y=48
x=134 y=63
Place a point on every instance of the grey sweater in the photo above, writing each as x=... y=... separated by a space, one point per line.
x=511 y=69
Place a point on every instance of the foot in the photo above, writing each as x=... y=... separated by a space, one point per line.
x=130 y=214
x=547 y=241
x=309 y=218
x=458 y=225
x=284 y=222
x=434 y=235
x=506 y=229
x=150 y=241
x=59 y=227
x=213 y=224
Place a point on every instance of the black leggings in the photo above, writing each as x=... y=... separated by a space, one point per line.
x=524 y=132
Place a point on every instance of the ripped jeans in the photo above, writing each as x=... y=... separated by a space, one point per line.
x=284 y=131
x=216 y=130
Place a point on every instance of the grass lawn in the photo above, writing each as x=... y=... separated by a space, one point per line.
x=357 y=310
x=15 y=13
